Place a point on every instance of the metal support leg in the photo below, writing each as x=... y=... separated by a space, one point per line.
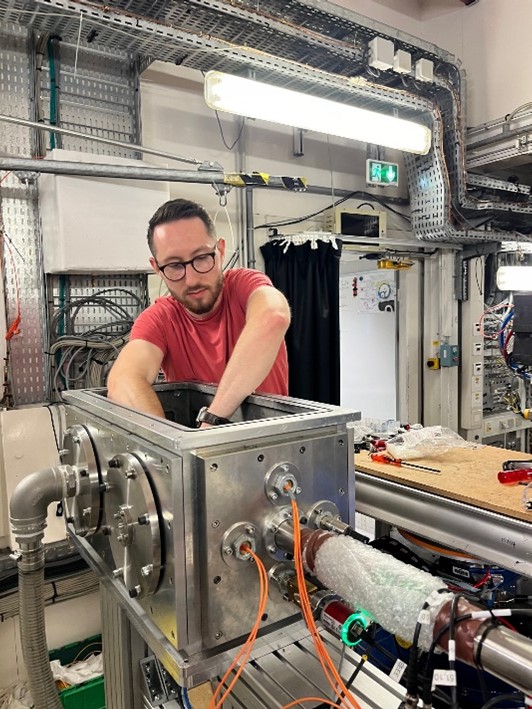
x=123 y=648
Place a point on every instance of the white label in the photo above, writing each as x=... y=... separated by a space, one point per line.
x=424 y=617
x=451 y=650
x=446 y=678
x=398 y=670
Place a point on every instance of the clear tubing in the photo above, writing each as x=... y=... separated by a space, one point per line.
x=391 y=592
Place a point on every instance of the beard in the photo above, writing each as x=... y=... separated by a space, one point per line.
x=203 y=305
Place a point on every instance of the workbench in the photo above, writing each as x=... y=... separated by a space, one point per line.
x=464 y=506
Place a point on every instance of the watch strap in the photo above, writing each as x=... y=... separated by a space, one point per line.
x=206 y=416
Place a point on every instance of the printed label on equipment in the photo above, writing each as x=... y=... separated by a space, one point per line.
x=398 y=670
x=445 y=678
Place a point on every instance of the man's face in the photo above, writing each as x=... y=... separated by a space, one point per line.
x=183 y=240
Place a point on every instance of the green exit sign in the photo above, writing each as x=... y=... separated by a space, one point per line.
x=382 y=173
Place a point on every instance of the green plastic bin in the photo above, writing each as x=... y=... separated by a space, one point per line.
x=91 y=694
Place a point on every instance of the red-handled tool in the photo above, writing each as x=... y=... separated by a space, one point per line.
x=512 y=477
x=377 y=458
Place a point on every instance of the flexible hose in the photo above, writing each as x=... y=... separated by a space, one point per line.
x=32 y=632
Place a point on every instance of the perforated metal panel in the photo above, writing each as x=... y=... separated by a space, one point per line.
x=23 y=281
x=99 y=96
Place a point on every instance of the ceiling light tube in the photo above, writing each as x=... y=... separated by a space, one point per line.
x=252 y=99
x=518 y=278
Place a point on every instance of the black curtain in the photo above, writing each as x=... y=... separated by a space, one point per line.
x=309 y=278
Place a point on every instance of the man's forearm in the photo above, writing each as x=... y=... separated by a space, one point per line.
x=250 y=363
x=137 y=394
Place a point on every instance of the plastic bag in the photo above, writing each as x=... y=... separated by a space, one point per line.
x=427 y=442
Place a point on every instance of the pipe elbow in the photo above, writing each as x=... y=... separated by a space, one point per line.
x=29 y=502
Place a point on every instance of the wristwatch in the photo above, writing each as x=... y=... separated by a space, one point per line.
x=205 y=416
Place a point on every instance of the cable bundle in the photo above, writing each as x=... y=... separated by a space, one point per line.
x=83 y=357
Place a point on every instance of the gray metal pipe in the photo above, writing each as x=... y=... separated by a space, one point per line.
x=250 y=229
x=505 y=654
x=107 y=141
x=28 y=509
x=127 y=172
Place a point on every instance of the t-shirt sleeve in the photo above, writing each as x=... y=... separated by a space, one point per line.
x=149 y=326
x=245 y=281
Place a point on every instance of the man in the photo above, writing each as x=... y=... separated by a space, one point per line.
x=218 y=328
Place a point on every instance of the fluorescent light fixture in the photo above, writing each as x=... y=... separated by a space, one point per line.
x=252 y=99
x=517 y=278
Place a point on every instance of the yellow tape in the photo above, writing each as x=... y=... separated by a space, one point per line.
x=242 y=179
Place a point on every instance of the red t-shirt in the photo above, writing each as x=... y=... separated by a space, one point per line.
x=198 y=350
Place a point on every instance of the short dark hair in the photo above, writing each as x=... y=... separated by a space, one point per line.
x=178 y=209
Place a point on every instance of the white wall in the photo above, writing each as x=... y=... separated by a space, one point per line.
x=176 y=119
x=491 y=38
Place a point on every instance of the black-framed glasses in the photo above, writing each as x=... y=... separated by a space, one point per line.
x=175 y=271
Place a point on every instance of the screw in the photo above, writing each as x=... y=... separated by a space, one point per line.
x=273 y=496
x=341 y=442
x=83 y=472
x=298 y=490
x=118 y=573
x=214 y=466
x=250 y=529
x=144 y=519
x=134 y=592
x=104 y=487
x=260 y=458
x=146 y=570
x=115 y=462
x=131 y=474
x=228 y=551
x=86 y=511
x=285 y=468
x=341 y=491
x=219 y=635
x=215 y=524
x=272 y=549
x=302 y=449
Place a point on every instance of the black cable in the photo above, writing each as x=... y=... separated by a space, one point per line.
x=229 y=147
x=341 y=200
x=517 y=697
x=53 y=426
x=452 y=663
x=354 y=675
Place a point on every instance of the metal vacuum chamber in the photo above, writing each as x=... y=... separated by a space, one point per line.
x=168 y=510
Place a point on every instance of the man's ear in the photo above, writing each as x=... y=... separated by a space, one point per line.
x=220 y=245
x=153 y=264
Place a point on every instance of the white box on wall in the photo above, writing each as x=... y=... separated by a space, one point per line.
x=93 y=224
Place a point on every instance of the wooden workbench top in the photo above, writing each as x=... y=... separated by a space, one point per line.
x=467 y=474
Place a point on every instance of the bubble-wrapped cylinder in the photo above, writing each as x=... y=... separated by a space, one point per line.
x=392 y=592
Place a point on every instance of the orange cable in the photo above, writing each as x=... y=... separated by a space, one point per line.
x=13 y=329
x=310 y=699
x=248 y=645
x=323 y=655
x=246 y=648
